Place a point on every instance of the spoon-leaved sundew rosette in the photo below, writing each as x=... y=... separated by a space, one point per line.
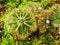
x=19 y=20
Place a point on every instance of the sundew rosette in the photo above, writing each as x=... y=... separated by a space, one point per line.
x=19 y=20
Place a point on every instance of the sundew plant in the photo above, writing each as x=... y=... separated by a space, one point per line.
x=29 y=22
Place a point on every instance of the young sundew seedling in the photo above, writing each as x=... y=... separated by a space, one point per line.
x=19 y=20
x=44 y=21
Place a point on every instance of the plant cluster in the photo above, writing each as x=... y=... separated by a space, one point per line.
x=29 y=22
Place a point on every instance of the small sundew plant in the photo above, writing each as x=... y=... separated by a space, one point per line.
x=20 y=21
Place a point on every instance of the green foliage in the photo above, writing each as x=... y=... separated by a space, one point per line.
x=8 y=40
x=30 y=22
x=12 y=3
x=56 y=21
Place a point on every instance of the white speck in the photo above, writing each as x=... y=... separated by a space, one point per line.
x=39 y=8
x=47 y=21
x=0 y=31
